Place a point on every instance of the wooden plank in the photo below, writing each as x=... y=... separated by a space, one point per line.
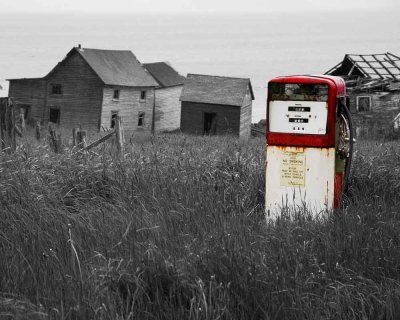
x=102 y=139
x=334 y=68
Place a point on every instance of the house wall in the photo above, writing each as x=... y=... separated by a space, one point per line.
x=192 y=118
x=128 y=107
x=29 y=92
x=384 y=107
x=245 y=116
x=168 y=108
x=81 y=97
x=245 y=121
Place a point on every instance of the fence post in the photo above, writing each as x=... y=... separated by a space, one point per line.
x=119 y=134
x=22 y=117
x=2 y=123
x=37 y=130
x=52 y=139
x=10 y=124
x=81 y=135
x=75 y=137
x=58 y=145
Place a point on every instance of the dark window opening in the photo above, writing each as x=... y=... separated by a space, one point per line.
x=142 y=95
x=114 y=115
x=141 y=119
x=54 y=115
x=116 y=94
x=210 y=123
x=56 y=89
x=363 y=104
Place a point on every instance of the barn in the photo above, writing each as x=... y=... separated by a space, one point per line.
x=373 y=88
x=167 y=105
x=90 y=87
x=216 y=105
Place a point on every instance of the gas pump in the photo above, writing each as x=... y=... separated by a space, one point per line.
x=309 y=144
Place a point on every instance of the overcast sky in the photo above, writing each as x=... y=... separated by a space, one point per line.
x=129 y=6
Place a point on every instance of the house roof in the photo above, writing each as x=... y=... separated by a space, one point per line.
x=164 y=74
x=373 y=66
x=117 y=67
x=114 y=67
x=215 y=89
x=24 y=79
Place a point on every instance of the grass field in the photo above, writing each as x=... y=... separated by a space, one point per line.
x=175 y=230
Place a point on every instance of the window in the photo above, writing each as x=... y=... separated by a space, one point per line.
x=114 y=115
x=363 y=103
x=56 y=89
x=141 y=119
x=54 y=116
x=142 y=95
x=116 y=94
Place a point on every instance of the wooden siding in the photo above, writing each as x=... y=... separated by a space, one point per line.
x=82 y=92
x=245 y=116
x=168 y=108
x=192 y=118
x=384 y=107
x=128 y=107
x=245 y=121
x=29 y=92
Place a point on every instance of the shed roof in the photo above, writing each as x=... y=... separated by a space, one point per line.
x=165 y=75
x=373 y=66
x=215 y=89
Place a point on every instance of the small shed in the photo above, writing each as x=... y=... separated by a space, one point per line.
x=216 y=105
x=373 y=88
x=167 y=105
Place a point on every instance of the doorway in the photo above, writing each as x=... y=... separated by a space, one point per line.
x=210 y=123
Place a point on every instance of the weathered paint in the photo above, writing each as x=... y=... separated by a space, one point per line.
x=318 y=192
x=337 y=88
x=324 y=170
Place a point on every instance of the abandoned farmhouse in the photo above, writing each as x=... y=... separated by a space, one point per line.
x=90 y=87
x=373 y=87
x=216 y=105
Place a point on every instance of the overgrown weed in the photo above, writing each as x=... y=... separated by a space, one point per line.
x=175 y=229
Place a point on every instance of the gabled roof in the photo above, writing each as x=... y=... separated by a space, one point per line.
x=216 y=90
x=373 y=66
x=165 y=75
x=115 y=67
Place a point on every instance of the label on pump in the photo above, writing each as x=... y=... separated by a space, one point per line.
x=293 y=168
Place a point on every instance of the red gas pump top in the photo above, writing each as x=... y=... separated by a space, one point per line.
x=336 y=89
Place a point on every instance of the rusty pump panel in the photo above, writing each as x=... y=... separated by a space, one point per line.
x=309 y=145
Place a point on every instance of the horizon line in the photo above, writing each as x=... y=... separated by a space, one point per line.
x=70 y=11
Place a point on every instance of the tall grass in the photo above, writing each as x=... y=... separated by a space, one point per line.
x=175 y=230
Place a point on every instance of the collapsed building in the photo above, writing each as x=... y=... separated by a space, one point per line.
x=373 y=88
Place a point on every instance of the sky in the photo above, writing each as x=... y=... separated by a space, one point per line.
x=175 y=6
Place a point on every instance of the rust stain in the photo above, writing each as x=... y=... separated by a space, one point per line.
x=325 y=150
